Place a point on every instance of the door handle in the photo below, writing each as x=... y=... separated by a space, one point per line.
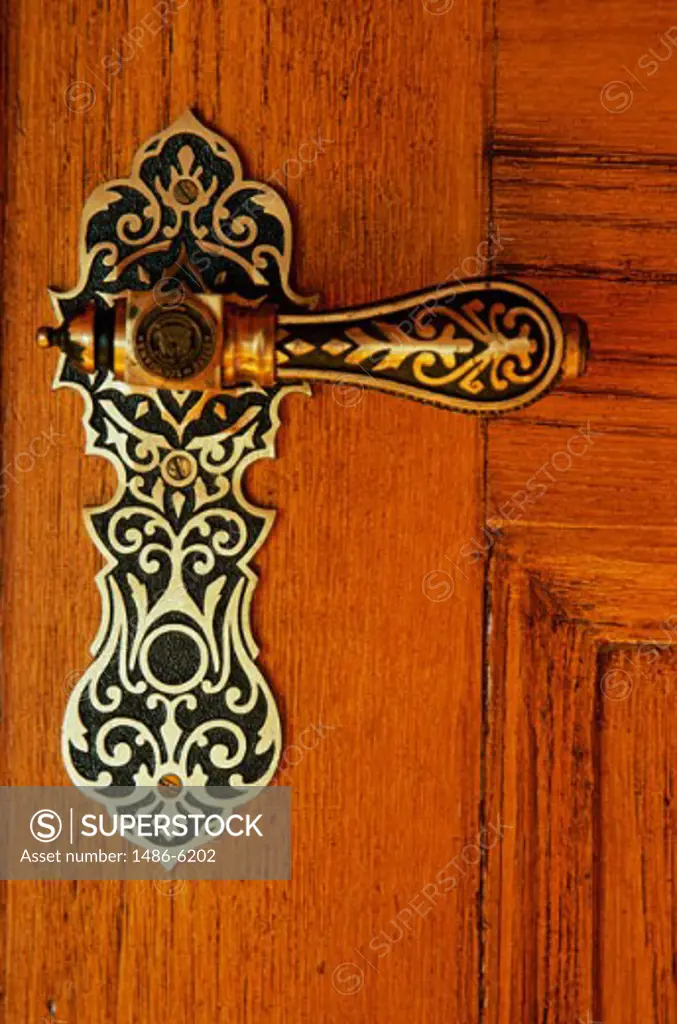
x=480 y=346
x=184 y=334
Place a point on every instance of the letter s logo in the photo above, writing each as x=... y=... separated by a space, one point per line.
x=46 y=826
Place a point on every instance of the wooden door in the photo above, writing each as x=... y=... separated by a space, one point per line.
x=472 y=622
x=580 y=700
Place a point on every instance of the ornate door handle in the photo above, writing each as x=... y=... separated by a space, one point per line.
x=482 y=346
x=183 y=334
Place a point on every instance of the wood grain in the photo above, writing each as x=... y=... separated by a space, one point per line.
x=581 y=773
x=636 y=786
x=542 y=473
x=595 y=218
x=577 y=78
x=538 y=888
x=370 y=499
x=582 y=546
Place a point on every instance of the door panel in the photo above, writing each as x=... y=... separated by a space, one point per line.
x=581 y=770
x=579 y=906
x=539 y=889
x=637 y=759
x=371 y=496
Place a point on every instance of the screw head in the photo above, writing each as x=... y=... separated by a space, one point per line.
x=44 y=337
x=179 y=469
x=170 y=784
x=185 y=191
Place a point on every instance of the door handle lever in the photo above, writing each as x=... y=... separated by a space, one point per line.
x=480 y=346
x=183 y=334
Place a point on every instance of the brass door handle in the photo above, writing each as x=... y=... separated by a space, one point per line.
x=480 y=346
x=183 y=335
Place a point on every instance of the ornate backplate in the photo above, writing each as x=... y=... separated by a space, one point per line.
x=174 y=693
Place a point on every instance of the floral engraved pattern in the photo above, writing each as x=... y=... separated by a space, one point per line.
x=186 y=210
x=174 y=689
x=478 y=347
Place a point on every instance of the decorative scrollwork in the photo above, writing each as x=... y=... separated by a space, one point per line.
x=188 y=210
x=174 y=690
x=482 y=346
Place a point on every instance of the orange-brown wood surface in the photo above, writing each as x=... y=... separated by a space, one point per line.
x=370 y=498
x=579 y=906
x=522 y=726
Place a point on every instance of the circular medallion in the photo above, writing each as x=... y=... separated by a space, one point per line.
x=174 y=658
x=176 y=343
